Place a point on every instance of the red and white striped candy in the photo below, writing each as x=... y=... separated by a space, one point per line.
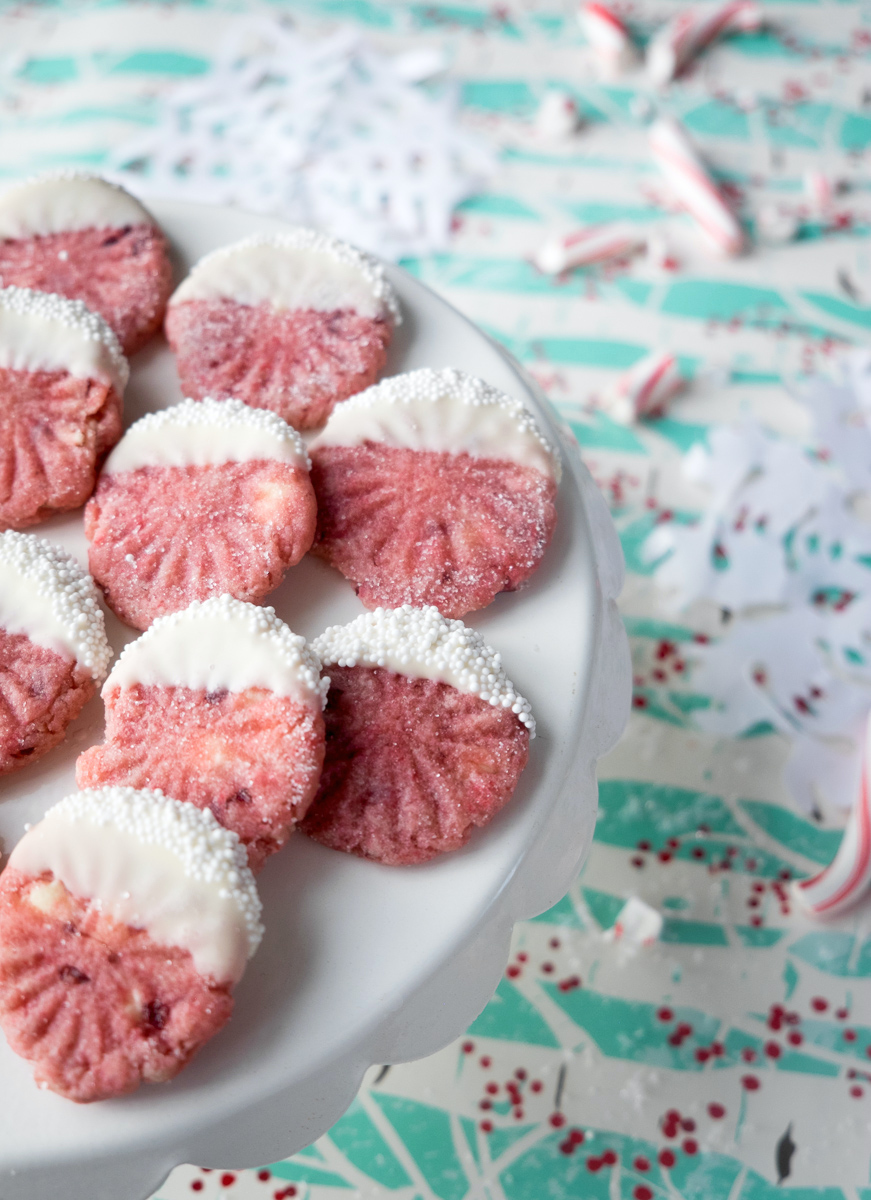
x=678 y=42
x=848 y=877
x=819 y=190
x=645 y=389
x=595 y=243
x=609 y=37
x=676 y=157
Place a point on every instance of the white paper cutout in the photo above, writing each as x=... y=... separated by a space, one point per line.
x=329 y=132
x=782 y=550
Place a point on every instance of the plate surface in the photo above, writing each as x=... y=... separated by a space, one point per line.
x=360 y=963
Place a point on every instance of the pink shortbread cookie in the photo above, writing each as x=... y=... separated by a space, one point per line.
x=411 y=520
x=93 y=988
x=413 y=763
x=294 y=324
x=170 y=523
x=53 y=648
x=99 y=1006
x=62 y=376
x=81 y=237
x=250 y=754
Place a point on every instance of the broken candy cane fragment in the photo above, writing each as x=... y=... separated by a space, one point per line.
x=645 y=389
x=682 y=38
x=637 y=924
x=692 y=185
x=595 y=243
x=557 y=117
x=848 y=877
x=611 y=40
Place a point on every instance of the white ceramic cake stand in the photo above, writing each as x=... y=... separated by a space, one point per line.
x=361 y=963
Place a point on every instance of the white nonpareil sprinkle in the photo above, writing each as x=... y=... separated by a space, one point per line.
x=222 y=415
x=289 y=653
x=310 y=240
x=35 y=570
x=207 y=851
x=420 y=642
x=517 y=434
x=88 y=326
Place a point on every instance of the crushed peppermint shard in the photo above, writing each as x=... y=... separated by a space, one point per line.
x=241 y=512
x=847 y=879
x=611 y=41
x=126 y=917
x=646 y=389
x=557 y=117
x=422 y=643
x=434 y=488
x=239 y=699
x=426 y=737
x=693 y=187
x=53 y=647
x=293 y=322
x=638 y=924
x=593 y=244
x=674 y=47
x=80 y=236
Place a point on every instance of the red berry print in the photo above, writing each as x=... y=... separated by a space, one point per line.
x=512 y=972
x=486 y=1062
x=264 y=1176
x=772 y=1049
x=609 y=1158
x=487 y=1126
x=665 y=1014
x=468 y=1047
x=794 y=1038
x=536 y=1085
x=641 y=1163
x=716 y=1111
x=197 y=1185
x=227 y=1179
x=690 y=1146
x=594 y=1164
x=492 y=1088
x=856 y=1092
x=667 y=1158
x=750 y=1083
x=557 y=1120
x=642 y=1192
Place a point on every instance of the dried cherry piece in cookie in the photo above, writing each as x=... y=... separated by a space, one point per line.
x=125 y=920
x=423 y=747
x=62 y=376
x=199 y=500
x=82 y=237
x=238 y=698
x=294 y=322
x=433 y=488
x=53 y=648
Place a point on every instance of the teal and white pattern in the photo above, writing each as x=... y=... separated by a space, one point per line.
x=732 y=1059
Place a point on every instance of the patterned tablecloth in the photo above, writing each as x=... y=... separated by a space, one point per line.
x=732 y=1059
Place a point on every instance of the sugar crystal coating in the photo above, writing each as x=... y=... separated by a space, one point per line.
x=421 y=642
x=220 y=415
x=54 y=576
x=253 y=625
x=301 y=238
x=86 y=325
x=206 y=851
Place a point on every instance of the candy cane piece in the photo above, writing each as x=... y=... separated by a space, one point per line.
x=593 y=244
x=609 y=37
x=819 y=191
x=678 y=42
x=676 y=157
x=848 y=877
x=645 y=389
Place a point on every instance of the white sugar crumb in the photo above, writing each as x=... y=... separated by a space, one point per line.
x=422 y=643
x=301 y=238
x=432 y=386
x=249 y=621
x=53 y=575
x=74 y=314
x=207 y=851
x=224 y=414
